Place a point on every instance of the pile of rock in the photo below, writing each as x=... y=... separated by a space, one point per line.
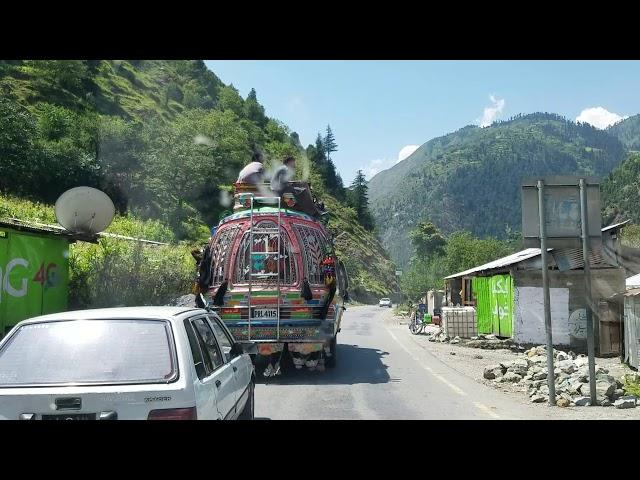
x=439 y=336
x=488 y=342
x=571 y=374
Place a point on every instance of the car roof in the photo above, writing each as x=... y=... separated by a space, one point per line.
x=116 y=313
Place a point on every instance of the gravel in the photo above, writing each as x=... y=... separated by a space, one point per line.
x=466 y=361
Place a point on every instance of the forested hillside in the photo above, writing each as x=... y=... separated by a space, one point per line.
x=470 y=180
x=165 y=139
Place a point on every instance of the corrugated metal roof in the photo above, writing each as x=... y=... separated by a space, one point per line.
x=41 y=229
x=44 y=228
x=615 y=225
x=571 y=258
x=527 y=254
x=501 y=262
x=633 y=281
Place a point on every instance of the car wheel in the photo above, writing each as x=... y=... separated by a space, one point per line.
x=330 y=362
x=248 y=410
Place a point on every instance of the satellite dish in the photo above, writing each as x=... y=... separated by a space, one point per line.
x=85 y=210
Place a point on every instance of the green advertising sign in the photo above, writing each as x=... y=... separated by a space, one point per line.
x=34 y=276
x=494 y=307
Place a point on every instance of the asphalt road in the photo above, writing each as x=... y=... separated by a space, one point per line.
x=381 y=374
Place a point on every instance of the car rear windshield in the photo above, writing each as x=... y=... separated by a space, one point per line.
x=384 y=300
x=89 y=352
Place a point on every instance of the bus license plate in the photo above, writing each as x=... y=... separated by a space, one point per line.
x=265 y=313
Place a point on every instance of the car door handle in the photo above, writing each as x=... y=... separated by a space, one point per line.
x=218 y=383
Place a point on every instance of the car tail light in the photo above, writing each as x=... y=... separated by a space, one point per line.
x=174 y=414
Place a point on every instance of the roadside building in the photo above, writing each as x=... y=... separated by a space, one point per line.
x=508 y=298
x=34 y=270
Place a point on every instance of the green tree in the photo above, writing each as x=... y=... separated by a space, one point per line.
x=18 y=151
x=621 y=191
x=427 y=240
x=464 y=251
x=119 y=155
x=253 y=110
x=172 y=92
x=186 y=162
x=423 y=275
x=54 y=122
x=330 y=144
x=230 y=99
x=68 y=74
x=196 y=96
x=358 y=199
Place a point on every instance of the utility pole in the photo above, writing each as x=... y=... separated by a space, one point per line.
x=587 y=284
x=551 y=378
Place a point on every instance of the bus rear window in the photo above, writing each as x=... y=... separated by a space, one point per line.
x=266 y=263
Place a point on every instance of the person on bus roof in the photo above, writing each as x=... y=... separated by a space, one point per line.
x=254 y=172
x=283 y=175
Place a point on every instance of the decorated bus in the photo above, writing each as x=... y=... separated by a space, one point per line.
x=270 y=271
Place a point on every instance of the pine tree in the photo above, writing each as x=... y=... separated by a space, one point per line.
x=320 y=158
x=359 y=200
x=330 y=144
x=253 y=110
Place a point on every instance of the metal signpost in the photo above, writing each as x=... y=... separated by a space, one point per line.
x=563 y=212
x=587 y=284
x=551 y=378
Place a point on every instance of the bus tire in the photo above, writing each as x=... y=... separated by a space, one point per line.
x=330 y=362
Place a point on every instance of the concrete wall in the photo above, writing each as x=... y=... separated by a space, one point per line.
x=434 y=299
x=568 y=317
x=528 y=319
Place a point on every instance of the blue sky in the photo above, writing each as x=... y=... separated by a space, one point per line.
x=378 y=109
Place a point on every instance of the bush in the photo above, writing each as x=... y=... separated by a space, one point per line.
x=114 y=271
x=122 y=273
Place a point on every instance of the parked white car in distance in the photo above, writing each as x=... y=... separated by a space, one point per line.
x=136 y=363
x=385 y=302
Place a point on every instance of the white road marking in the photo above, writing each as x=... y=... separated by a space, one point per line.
x=453 y=387
x=458 y=390
x=486 y=409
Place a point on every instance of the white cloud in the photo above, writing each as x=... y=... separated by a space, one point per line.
x=492 y=111
x=406 y=151
x=380 y=164
x=599 y=117
x=374 y=167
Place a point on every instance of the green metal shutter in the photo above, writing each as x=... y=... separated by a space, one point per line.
x=481 y=290
x=494 y=304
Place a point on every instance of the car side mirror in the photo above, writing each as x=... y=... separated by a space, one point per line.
x=200 y=370
x=240 y=348
x=236 y=349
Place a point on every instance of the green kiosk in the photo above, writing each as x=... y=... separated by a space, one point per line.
x=34 y=258
x=34 y=272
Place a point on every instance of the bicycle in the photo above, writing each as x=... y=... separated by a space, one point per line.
x=418 y=322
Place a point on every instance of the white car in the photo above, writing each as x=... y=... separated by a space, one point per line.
x=385 y=302
x=136 y=363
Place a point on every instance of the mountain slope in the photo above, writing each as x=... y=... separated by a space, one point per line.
x=628 y=132
x=470 y=179
x=621 y=192
x=134 y=89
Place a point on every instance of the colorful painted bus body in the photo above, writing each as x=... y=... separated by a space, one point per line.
x=306 y=327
